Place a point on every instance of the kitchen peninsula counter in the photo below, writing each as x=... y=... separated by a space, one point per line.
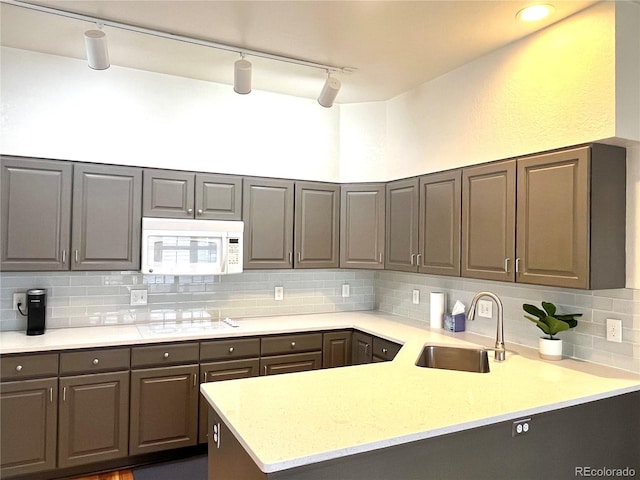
x=289 y=421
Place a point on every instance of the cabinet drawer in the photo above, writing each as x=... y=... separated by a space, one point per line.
x=98 y=360
x=297 y=362
x=384 y=349
x=230 y=349
x=165 y=354
x=14 y=367
x=291 y=343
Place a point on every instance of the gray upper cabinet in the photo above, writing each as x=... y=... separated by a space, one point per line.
x=362 y=226
x=571 y=218
x=439 y=229
x=187 y=195
x=488 y=221
x=317 y=223
x=402 y=210
x=35 y=216
x=106 y=217
x=267 y=211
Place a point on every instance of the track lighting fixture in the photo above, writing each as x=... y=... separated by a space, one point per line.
x=98 y=55
x=329 y=91
x=95 y=41
x=242 y=76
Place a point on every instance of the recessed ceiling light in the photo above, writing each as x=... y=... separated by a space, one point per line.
x=534 y=13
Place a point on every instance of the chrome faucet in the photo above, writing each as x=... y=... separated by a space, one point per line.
x=499 y=348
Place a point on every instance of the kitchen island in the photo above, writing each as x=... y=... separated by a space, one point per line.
x=398 y=420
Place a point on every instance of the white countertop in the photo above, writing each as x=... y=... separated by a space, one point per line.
x=326 y=414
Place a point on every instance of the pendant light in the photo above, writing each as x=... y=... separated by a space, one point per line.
x=242 y=76
x=95 y=41
x=329 y=91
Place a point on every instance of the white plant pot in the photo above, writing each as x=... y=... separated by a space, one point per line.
x=550 y=349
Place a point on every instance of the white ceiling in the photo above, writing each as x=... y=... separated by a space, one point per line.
x=394 y=45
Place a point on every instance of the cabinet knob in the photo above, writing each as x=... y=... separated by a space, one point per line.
x=231 y=349
x=189 y=210
x=293 y=344
x=166 y=355
x=96 y=361
x=199 y=211
x=384 y=350
x=19 y=368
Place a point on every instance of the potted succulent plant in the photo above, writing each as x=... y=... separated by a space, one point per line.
x=551 y=323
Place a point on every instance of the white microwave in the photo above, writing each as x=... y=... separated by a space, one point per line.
x=191 y=247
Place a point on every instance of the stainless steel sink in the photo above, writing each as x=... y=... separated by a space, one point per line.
x=454 y=358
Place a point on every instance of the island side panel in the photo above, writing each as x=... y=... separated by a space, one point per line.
x=227 y=459
x=599 y=434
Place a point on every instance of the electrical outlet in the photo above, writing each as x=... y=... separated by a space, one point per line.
x=614 y=330
x=278 y=293
x=20 y=298
x=138 y=297
x=485 y=308
x=416 y=297
x=520 y=427
x=345 y=290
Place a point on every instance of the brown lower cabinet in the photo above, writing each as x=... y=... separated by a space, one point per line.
x=29 y=415
x=369 y=348
x=164 y=408
x=336 y=349
x=93 y=422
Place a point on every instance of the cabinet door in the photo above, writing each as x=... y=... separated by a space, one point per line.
x=553 y=219
x=94 y=418
x=167 y=194
x=28 y=411
x=36 y=214
x=106 y=217
x=297 y=362
x=402 y=225
x=362 y=226
x=317 y=223
x=488 y=221
x=267 y=211
x=336 y=349
x=218 y=197
x=217 y=372
x=440 y=217
x=361 y=349
x=164 y=408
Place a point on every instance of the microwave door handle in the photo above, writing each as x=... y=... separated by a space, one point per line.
x=225 y=254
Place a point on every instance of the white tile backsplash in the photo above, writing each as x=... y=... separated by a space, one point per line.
x=587 y=341
x=102 y=298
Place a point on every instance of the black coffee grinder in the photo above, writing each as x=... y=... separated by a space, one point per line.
x=36 y=309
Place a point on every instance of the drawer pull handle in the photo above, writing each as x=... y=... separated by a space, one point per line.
x=165 y=355
x=19 y=368
x=231 y=349
x=265 y=369
x=96 y=361
x=293 y=344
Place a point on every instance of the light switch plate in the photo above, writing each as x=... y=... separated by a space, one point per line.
x=138 y=297
x=614 y=330
x=485 y=308
x=278 y=293
x=416 y=297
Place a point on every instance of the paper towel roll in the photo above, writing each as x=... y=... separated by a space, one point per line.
x=437 y=307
